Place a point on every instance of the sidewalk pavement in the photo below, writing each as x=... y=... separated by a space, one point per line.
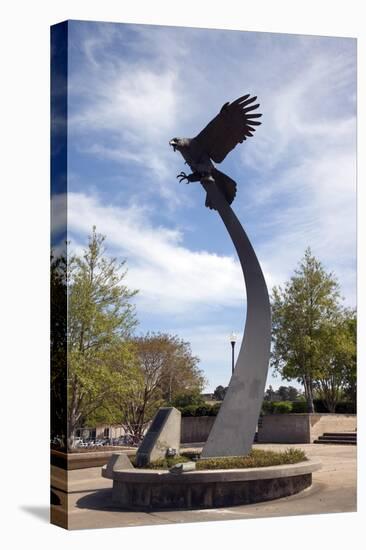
x=333 y=490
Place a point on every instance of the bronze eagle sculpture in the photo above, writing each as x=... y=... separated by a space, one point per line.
x=234 y=124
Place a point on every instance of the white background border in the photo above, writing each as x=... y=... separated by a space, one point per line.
x=24 y=271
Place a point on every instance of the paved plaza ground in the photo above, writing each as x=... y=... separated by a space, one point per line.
x=333 y=490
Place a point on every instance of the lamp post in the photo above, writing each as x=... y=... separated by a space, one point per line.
x=233 y=339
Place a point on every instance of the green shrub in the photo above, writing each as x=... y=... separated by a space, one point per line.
x=165 y=463
x=299 y=407
x=282 y=407
x=343 y=407
x=267 y=407
x=215 y=409
x=319 y=406
x=203 y=410
x=200 y=410
x=346 y=407
x=189 y=410
x=187 y=399
x=255 y=459
x=286 y=407
x=271 y=407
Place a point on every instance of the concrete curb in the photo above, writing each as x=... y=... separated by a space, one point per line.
x=162 y=490
x=142 y=475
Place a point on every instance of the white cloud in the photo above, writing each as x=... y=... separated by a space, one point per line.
x=156 y=172
x=170 y=277
x=58 y=214
x=305 y=161
x=126 y=112
x=135 y=103
x=309 y=111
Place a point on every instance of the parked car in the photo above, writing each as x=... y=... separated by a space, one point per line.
x=132 y=440
x=118 y=441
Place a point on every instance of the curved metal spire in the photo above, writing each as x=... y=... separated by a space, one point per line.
x=233 y=431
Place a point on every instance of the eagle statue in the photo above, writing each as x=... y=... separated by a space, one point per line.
x=234 y=124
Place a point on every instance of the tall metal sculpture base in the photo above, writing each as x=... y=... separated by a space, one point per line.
x=233 y=431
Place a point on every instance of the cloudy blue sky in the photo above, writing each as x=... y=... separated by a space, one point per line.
x=134 y=87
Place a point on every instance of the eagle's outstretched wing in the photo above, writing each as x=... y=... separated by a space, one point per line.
x=231 y=126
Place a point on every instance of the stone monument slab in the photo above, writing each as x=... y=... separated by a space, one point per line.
x=118 y=461
x=164 y=433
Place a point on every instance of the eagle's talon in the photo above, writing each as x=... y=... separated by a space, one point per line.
x=183 y=176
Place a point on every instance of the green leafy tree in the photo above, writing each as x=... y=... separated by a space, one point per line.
x=350 y=387
x=301 y=310
x=287 y=393
x=293 y=393
x=100 y=322
x=270 y=394
x=219 y=393
x=58 y=289
x=338 y=360
x=167 y=370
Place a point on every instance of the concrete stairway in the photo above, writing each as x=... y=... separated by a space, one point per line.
x=338 y=438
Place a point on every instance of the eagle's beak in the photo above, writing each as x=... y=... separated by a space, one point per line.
x=173 y=144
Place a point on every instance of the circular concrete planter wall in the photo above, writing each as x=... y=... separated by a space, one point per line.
x=158 y=489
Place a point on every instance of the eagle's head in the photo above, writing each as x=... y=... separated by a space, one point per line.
x=179 y=143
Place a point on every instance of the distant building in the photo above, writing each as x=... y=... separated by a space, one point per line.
x=208 y=396
x=102 y=431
